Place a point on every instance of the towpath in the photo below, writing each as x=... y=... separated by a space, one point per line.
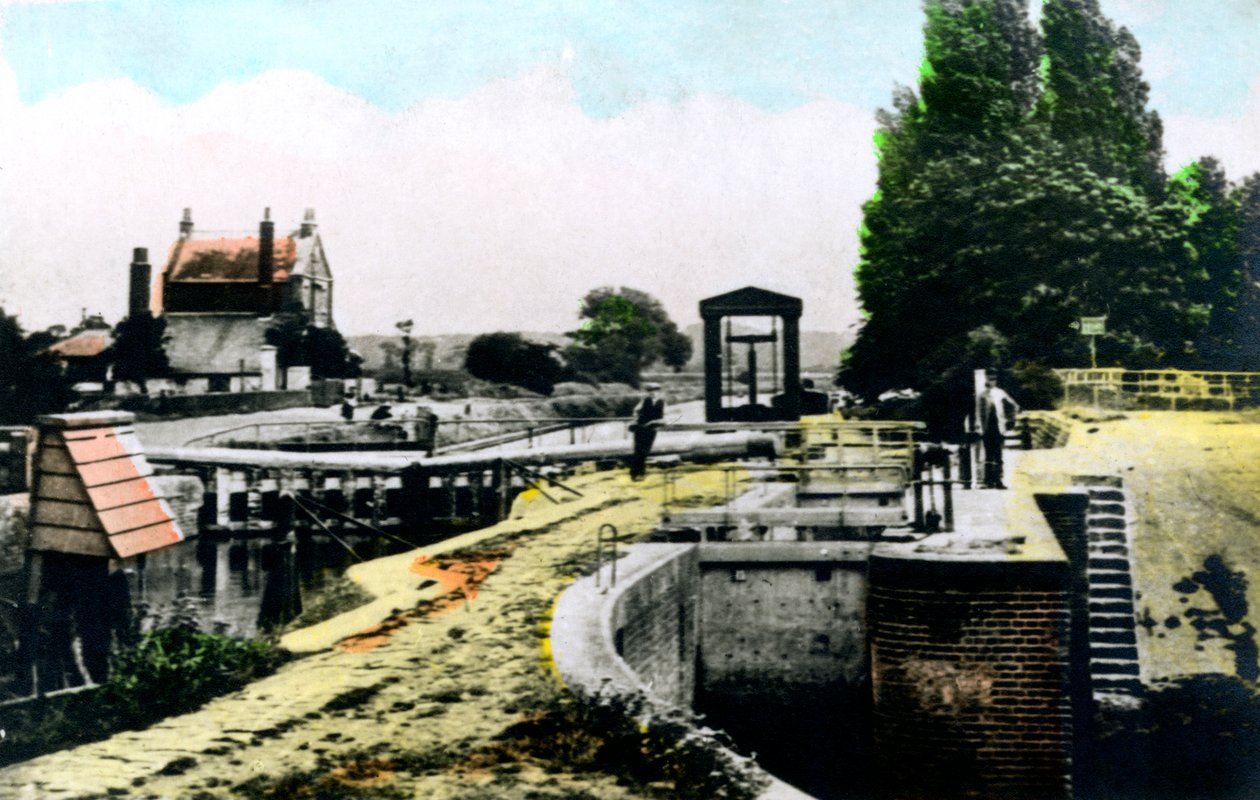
x=401 y=698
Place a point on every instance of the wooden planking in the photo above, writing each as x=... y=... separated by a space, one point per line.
x=115 y=471
x=69 y=540
x=61 y=487
x=91 y=433
x=68 y=515
x=112 y=495
x=136 y=515
x=56 y=460
x=143 y=540
x=99 y=448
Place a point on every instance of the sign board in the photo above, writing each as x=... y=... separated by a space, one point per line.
x=1093 y=326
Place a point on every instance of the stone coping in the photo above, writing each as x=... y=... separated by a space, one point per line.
x=582 y=635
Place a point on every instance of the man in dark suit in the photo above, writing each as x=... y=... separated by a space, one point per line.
x=647 y=417
x=997 y=413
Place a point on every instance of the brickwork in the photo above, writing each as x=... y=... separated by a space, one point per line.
x=655 y=628
x=1044 y=430
x=970 y=674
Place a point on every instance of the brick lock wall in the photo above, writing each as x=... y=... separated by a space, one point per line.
x=654 y=628
x=970 y=674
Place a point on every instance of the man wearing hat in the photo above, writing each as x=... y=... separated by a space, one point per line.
x=996 y=411
x=647 y=416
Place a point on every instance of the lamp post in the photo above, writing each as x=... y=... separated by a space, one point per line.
x=405 y=328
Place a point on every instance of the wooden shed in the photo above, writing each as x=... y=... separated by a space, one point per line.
x=90 y=489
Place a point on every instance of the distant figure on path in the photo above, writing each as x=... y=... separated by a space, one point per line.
x=647 y=417
x=994 y=422
x=347 y=409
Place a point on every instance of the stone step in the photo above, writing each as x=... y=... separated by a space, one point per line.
x=1111 y=607
x=1111 y=622
x=1105 y=521
x=1118 y=550
x=1108 y=578
x=1106 y=508
x=1113 y=652
x=1109 y=537
x=1117 y=564
x=1103 y=683
x=1106 y=495
x=1108 y=668
x=1113 y=636
x=1111 y=593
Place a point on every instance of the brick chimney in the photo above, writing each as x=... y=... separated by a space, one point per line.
x=308 y=224
x=266 y=249
x=186 y=224
x=138 y=290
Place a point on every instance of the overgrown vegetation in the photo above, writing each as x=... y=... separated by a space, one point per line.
x=659 y=752
x=31 y=382
x=1192 y=739
x=299 y=342
x=170 y=671
x=139 y=350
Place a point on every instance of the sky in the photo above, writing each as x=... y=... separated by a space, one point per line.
x=481 y=166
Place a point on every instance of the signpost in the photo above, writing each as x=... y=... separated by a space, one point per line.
x=1093 y=327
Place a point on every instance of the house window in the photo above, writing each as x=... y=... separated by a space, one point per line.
x=220 y=383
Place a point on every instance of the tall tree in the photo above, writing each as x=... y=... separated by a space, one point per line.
x=139 y=350
x=990 y=233
x=298 y=343
x=31 y=383
x=1095 y=97
x=1211 y=229
x=1247 y=323
x=624 y=331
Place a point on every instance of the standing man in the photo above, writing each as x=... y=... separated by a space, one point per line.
x=647 y=417
x=994 y=421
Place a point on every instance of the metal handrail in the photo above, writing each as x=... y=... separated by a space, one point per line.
x=600 y=539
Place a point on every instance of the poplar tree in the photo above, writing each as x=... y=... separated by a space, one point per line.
x=1095 y=98
x=1000 y=217
x=1211 y=229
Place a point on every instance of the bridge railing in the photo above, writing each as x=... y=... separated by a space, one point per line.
x=1167 y=388
x=454 y=435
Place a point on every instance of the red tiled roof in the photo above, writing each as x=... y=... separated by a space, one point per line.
x=226 y=259
x=93 y=495
x=82 y=345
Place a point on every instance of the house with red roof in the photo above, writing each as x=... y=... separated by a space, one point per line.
x=219 y=294
x=83 y=353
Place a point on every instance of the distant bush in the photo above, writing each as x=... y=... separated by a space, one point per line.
x=1036 y=385
x=510 y=358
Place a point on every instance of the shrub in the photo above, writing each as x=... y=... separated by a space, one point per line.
x=510 y=358
x=175 y=670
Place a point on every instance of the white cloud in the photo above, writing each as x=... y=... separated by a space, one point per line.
x=1231 y=139
x=498 y=210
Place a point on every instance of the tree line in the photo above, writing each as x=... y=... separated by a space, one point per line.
x=1021 y=186
x=622 y=332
